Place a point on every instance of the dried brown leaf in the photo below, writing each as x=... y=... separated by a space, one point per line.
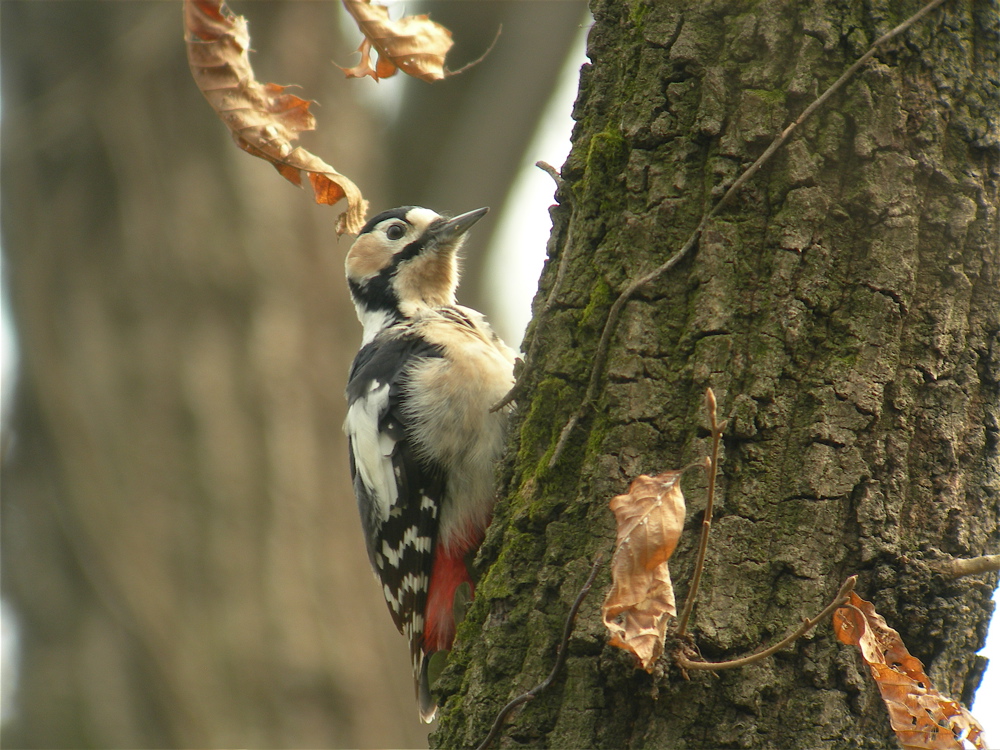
x=414 y=44
x=922 y=718
x=263 y=119
x=641 y=600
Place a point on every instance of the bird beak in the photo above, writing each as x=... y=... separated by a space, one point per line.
x=452 y=229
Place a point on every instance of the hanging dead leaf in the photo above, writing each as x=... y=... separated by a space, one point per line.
x=262 y=117
x=414 y=44
x=922 y=718
x=641 y=600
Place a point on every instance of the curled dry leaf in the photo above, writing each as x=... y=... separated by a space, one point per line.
x=922 y=718
x=414 y=44
x=641 y=600
x=262 y=117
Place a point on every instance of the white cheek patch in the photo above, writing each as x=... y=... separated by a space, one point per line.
x=367 y=256
x=372 y=449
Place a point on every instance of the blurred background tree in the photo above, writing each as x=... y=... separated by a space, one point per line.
x=179 y=537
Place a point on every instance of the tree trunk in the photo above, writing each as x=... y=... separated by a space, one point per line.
x=844 y=309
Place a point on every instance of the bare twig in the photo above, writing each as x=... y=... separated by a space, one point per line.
x=706 y=523
x=848 y=586
x=560 y=659
x=449 y=73
x=959 y=567
x=551 y=172
x=615 y=313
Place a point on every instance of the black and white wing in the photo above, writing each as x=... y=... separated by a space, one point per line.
x=398 y=491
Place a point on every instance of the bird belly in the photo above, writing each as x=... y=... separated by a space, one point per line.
x=450 y=420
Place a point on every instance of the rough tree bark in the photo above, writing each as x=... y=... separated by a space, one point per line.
x=845 y=311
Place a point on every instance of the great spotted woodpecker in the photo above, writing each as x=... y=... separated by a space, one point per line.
x=423 y=442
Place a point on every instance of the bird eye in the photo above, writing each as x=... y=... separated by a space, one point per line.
x=395 y=231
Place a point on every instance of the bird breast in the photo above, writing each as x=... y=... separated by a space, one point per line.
x=449 y=414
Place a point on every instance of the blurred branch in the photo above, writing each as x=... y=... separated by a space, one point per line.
x=958 y=567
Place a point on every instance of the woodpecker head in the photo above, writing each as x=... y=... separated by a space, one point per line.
x=405 y=258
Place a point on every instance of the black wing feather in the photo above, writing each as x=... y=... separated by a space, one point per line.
x=410 y=532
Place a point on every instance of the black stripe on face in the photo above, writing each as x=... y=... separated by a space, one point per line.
x=376 y=293
x=418 y=245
